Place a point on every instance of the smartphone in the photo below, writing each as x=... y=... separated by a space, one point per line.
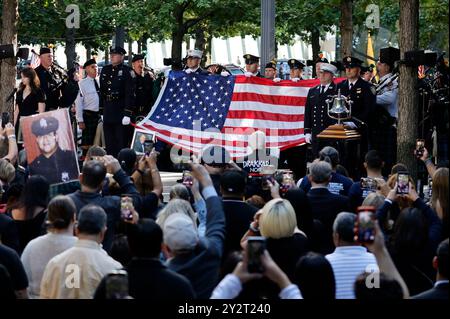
x=256 y=245
x=148 y=146
x=420 y=145
x=126 y=205
x=402 y=183
x=5 y=119
x=285 y=179
x=365 y=224
x=188 y=179
x=116 y=285
x=369 y=184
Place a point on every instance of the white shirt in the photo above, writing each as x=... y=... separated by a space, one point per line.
x=387 y=97
x=87 y=98
x=352 y=82
x=231 y=286
x=348 y=263
x=37 y=254
x=326 y=87
x=77 y=272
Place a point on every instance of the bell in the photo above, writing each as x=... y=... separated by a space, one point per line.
x=339 y=105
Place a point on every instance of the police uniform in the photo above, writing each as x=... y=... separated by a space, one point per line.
x=61 y=166
x=383 y=129
x=316 y=109
x=313 y=63
x=52 y=83
x=116 y=87
x=362 y=94
x=252 y=59
x=296 y=64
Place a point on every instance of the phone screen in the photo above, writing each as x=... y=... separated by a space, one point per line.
x=365 y=226
x=255 y=249
x=188 y=180
x=369 y=184
x=402 y=183
x=126 y=204
x=420 y=145
x=148 y=146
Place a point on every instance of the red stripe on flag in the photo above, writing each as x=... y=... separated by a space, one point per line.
x=268 y=99
x=265 y=116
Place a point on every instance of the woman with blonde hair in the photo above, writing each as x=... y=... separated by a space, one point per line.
x=176 y=206
x=277 y=222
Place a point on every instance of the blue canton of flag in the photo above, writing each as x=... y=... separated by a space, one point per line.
x=191 y=100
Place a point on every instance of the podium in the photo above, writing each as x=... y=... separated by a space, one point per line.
x=348 y=143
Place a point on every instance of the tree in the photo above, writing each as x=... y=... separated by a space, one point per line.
x=346 y=27
x=408 y=100
x=7 y=66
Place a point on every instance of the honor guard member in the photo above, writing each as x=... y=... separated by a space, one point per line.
x=116 y=87
x=252 y=65
x=270 y=71
x=87 y=104
x=143 y=81
x=362 y=95
x=296 y=70
x=52 y=81
x=316 y=107
x=56 y=165
x=384 y=130
x=316 y=63
x=193 y=59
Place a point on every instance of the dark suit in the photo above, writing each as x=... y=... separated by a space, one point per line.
x=363 y=106
x=116 y=88
x=52 y=84
x=439 y=292
x=148 y=278
x=325 y=207
x=238 y=216
x=316 y=113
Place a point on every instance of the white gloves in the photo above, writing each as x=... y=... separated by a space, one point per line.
x=276 y=80
x=295 y=79
x=248 y=74
x=188 y=71
x=308 y=138
x=126 y=120
x=224 y=73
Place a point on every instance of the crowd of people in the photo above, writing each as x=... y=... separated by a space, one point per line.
x=220 y=233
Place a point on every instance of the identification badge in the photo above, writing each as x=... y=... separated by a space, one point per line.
x=120 y=73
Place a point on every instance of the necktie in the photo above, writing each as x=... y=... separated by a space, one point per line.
x=322 y=89
x=97 y=88
x=351 y=86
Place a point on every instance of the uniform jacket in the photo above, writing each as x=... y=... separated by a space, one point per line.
x=116 y=87
x=51 y=84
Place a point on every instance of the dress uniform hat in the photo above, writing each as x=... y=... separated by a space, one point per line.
x=295 y=64
x=117 y=50
x=352 y=62
x=44 y=126
x=194 y=54
x=89 y=62
x=365 y=69
x=389 y=55
x=328 y=67
x=250 y=59
x=137 y=57
x=44 y=50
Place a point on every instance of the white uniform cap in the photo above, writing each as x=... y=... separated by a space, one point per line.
x=195 y=54
x=328 y=67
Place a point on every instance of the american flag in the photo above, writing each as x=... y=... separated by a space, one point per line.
x=35 y=59
x=194 y=111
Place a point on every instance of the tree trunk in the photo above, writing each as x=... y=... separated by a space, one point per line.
x=106 y=54
x=315 y=43
x=130 y=50
x=139 y=44
x=70 y=48
x=178 y=33
x=200 y=42
x=88 y=52
x=10 y=15
x=407 y=129
x=346 y=28
x=144 y=42
x=119 y=38
x=208 y=49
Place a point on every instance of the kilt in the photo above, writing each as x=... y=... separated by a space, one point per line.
x=90 y=119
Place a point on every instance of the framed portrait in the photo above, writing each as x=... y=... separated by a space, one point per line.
x=143 y=142
x=51 y=151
